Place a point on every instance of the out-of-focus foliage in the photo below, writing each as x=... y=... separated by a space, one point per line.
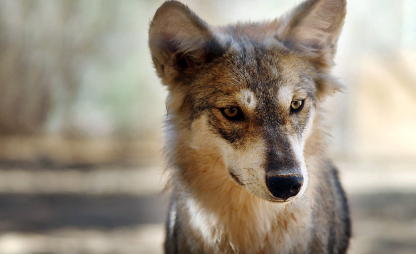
x=83 y=69
x=42 y=46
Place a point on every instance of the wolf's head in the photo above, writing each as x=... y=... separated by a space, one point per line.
x=245 y=96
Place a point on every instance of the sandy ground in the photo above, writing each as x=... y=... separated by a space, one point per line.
x=114 y=209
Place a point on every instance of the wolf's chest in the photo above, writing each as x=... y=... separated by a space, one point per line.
x=258 y=228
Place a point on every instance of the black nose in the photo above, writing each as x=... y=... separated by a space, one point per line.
x=284 y=186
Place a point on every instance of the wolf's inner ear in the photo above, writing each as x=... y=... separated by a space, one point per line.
x=180 y=42
x=314 y=27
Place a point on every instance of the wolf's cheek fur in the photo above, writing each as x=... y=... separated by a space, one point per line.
x=245 y=164
x=297 y=144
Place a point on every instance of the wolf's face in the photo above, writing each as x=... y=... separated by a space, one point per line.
x=257 y=109
x=247 y=94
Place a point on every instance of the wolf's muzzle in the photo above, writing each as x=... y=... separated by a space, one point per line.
x=284 y=186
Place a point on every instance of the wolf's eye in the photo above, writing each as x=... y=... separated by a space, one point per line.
x=232 y=113
x=296 y=106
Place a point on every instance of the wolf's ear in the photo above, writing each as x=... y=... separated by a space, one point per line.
x=180 y=42
x=314 y=27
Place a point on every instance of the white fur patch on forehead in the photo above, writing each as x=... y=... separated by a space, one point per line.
x=247 y=98
x=285 y=95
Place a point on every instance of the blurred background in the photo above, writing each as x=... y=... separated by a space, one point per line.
x=81 y=116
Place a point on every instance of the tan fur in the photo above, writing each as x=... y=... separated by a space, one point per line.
x=222 y=201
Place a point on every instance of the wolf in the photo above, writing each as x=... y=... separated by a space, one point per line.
x=246 y=136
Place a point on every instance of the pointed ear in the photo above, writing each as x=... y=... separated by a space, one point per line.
x=314 y=27
x=180 y=42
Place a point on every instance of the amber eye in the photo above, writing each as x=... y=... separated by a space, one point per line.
x=297 y=105
x=232 y=113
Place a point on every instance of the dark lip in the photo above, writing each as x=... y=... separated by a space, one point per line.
x=235 y=178
x=279 y=201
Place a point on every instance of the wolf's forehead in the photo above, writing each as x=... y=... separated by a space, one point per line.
x=259 y=76
x=263 y=69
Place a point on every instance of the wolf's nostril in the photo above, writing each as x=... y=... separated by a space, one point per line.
x=284 y=186
x=295 y=188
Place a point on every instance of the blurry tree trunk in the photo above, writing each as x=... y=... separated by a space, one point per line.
x=43 y=46
x=24 y=86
